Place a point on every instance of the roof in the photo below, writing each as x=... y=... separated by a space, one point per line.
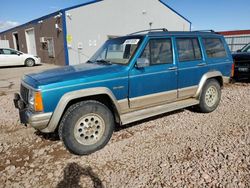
x=164 y=31
x=182 y=33
x=80 y=5
x=235 y=32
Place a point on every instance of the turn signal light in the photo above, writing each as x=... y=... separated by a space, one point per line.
x=38 y=102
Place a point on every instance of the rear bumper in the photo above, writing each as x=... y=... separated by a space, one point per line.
x=38 y=121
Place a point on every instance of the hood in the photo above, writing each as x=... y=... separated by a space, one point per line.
x=67 y=73
x=240 y=53
x=241 y=56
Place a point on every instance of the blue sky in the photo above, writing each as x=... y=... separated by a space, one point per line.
x=213 y=14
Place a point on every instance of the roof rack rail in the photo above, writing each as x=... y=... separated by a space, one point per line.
x=149 y=30
x=212 y=31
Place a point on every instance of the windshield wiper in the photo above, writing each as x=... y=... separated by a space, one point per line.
x=89 y=61
x=102 y=61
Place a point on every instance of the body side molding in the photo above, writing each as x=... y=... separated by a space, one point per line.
x=156 y=110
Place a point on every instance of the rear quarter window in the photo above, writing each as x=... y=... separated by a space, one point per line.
x=214 y=48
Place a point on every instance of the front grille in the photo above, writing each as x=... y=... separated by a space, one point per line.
x=247 y=65
x=242 y=64
x=24 y=93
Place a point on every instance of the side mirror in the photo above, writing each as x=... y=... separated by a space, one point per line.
x=238 y=51
x=142 y=62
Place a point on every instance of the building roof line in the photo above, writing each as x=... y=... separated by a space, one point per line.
x=81 y=5
x=77 y=6
x=235 y=32
x=51 y=14
x=164 y=3
x=32 y=21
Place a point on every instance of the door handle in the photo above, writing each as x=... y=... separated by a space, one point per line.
x=201 y=64
x=172 y=68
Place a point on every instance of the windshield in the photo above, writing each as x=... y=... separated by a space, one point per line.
x=246 y=48
x=117 y=51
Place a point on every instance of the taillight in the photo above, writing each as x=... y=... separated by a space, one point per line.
x=232 y=71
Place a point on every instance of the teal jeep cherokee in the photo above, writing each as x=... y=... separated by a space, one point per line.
x=129 y=78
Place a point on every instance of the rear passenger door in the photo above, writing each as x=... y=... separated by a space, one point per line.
x=191 y=65
x=156 y=83
x=218 y=58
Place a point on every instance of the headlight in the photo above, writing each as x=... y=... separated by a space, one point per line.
x=31 y=99
x=35 y=101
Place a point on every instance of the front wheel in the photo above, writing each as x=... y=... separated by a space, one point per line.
x=86 y=127
x=29 y=62
x=210 y=96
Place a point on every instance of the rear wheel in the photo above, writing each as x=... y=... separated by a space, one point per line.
x=86 y=127
x=210 y=96
x=29 y=62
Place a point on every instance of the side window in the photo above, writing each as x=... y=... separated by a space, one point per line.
x=158 y=51
x=13 y=52
x=6 y=52
x=214 y=48
x=188 y=49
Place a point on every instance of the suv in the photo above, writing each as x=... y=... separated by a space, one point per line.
x=242 y=63
x=128 y=79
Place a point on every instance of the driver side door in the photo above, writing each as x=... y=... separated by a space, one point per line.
x=156 y=83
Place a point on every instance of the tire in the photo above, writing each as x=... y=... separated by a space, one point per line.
x=29 y=62
x=232 y=80
x=210 y=96
x=86 y=127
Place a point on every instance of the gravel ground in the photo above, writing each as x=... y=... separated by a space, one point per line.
x=178 y=149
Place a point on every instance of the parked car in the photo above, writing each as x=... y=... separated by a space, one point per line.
x=242 y=63
x=128 y=79
x=11 y=57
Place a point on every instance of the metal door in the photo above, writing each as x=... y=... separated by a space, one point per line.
x=31 y=41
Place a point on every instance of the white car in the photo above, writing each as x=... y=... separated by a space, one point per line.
x=11 y=57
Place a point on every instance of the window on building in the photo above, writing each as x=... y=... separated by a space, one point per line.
x=214 y=48
x=158 y=51
x=188 y=49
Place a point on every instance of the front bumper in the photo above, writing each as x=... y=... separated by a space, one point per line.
x=238 y=74
x=38 y=61
x=38 y=121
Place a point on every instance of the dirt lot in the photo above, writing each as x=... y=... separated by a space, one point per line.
x=179 y=149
